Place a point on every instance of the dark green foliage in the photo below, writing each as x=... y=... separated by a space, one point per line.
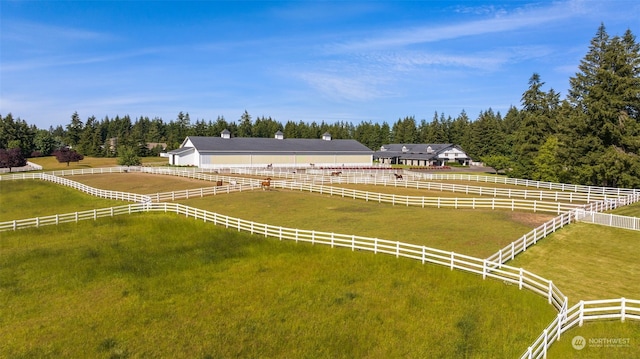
x=596 y=128
x=128 y=157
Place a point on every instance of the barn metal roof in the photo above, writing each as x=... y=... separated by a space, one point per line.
x=273 y=145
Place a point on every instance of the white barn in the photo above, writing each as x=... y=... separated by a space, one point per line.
x=226 y=151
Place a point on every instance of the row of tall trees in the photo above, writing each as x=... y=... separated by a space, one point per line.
x=590 y=137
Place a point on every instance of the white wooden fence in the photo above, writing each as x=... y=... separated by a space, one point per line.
x=528 y=183
x=607 y=219
x=438 y=202
x=566 y=319
x=521 y=244
x=491 y=267
x=517 y=276
x=583 y=311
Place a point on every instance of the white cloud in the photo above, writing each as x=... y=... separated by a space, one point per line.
x=500 y=22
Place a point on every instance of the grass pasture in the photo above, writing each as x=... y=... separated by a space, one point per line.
x=587 y=262
x=593 y=332
x=632 y=210
x=474 y=232
x=50 y=163
x=21 y=199
x=137 y=286
x=142 y=183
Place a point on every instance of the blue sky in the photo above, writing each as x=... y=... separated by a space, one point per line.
x=305 y=61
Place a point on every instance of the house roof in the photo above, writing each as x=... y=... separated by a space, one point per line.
x=273 y=145
x=416 y=151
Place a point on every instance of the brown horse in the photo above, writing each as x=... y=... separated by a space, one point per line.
x=337 y=173
x=266 y=185
x=398 y=177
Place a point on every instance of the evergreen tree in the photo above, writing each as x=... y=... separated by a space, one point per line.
x=245 y=126
x=74 y=130
x=605 y=95
x=44 y=143
x=536 y=122
x=547 y=166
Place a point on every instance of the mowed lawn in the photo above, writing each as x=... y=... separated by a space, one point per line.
x=21 y=199
x=161 y=285
x=142 y=183
x=50 y=163
x=632 y=210
x=473 y=232
x=587 y=261
x=626 y=334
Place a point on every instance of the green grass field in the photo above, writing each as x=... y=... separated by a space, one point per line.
x=163 y=286
x=21 y=199
x=158 y=285
x=50 y=163
x=632 y=210
x=587 y=262
x=473 y=232
x=595 y=331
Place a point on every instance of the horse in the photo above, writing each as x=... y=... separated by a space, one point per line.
x=266 y=184
x=398 y=177
x=337 y=173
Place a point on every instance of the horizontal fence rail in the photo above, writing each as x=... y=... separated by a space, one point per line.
x=583 y=311
x=528 y=183
x=438 y=202
x=521 y=244
x=607 y=219
x=512 y=275
x=492 y=267
x=117 y=195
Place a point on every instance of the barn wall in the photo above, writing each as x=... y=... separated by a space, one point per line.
x=187 y=160
x=303 y=160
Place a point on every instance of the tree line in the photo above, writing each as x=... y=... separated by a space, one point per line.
x=592 y=136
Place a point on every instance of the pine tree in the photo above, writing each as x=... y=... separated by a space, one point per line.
x=605 y=93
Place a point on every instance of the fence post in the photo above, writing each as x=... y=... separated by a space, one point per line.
x=520 y=279
x=581 y=316
x=452 y=254
x=397 y=249
x=622 y=309
x=546 y=341
x=559 y=329
x=484 y=269
x=550 y=291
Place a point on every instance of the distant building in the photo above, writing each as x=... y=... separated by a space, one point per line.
x=227 y=151
x=434 y=154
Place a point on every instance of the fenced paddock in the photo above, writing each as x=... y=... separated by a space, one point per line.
x=584 y=311
x=608 y=219
x=437 y=202
x=566 y=319
x=507 y=274
x=491 y=267
x=579 y=214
